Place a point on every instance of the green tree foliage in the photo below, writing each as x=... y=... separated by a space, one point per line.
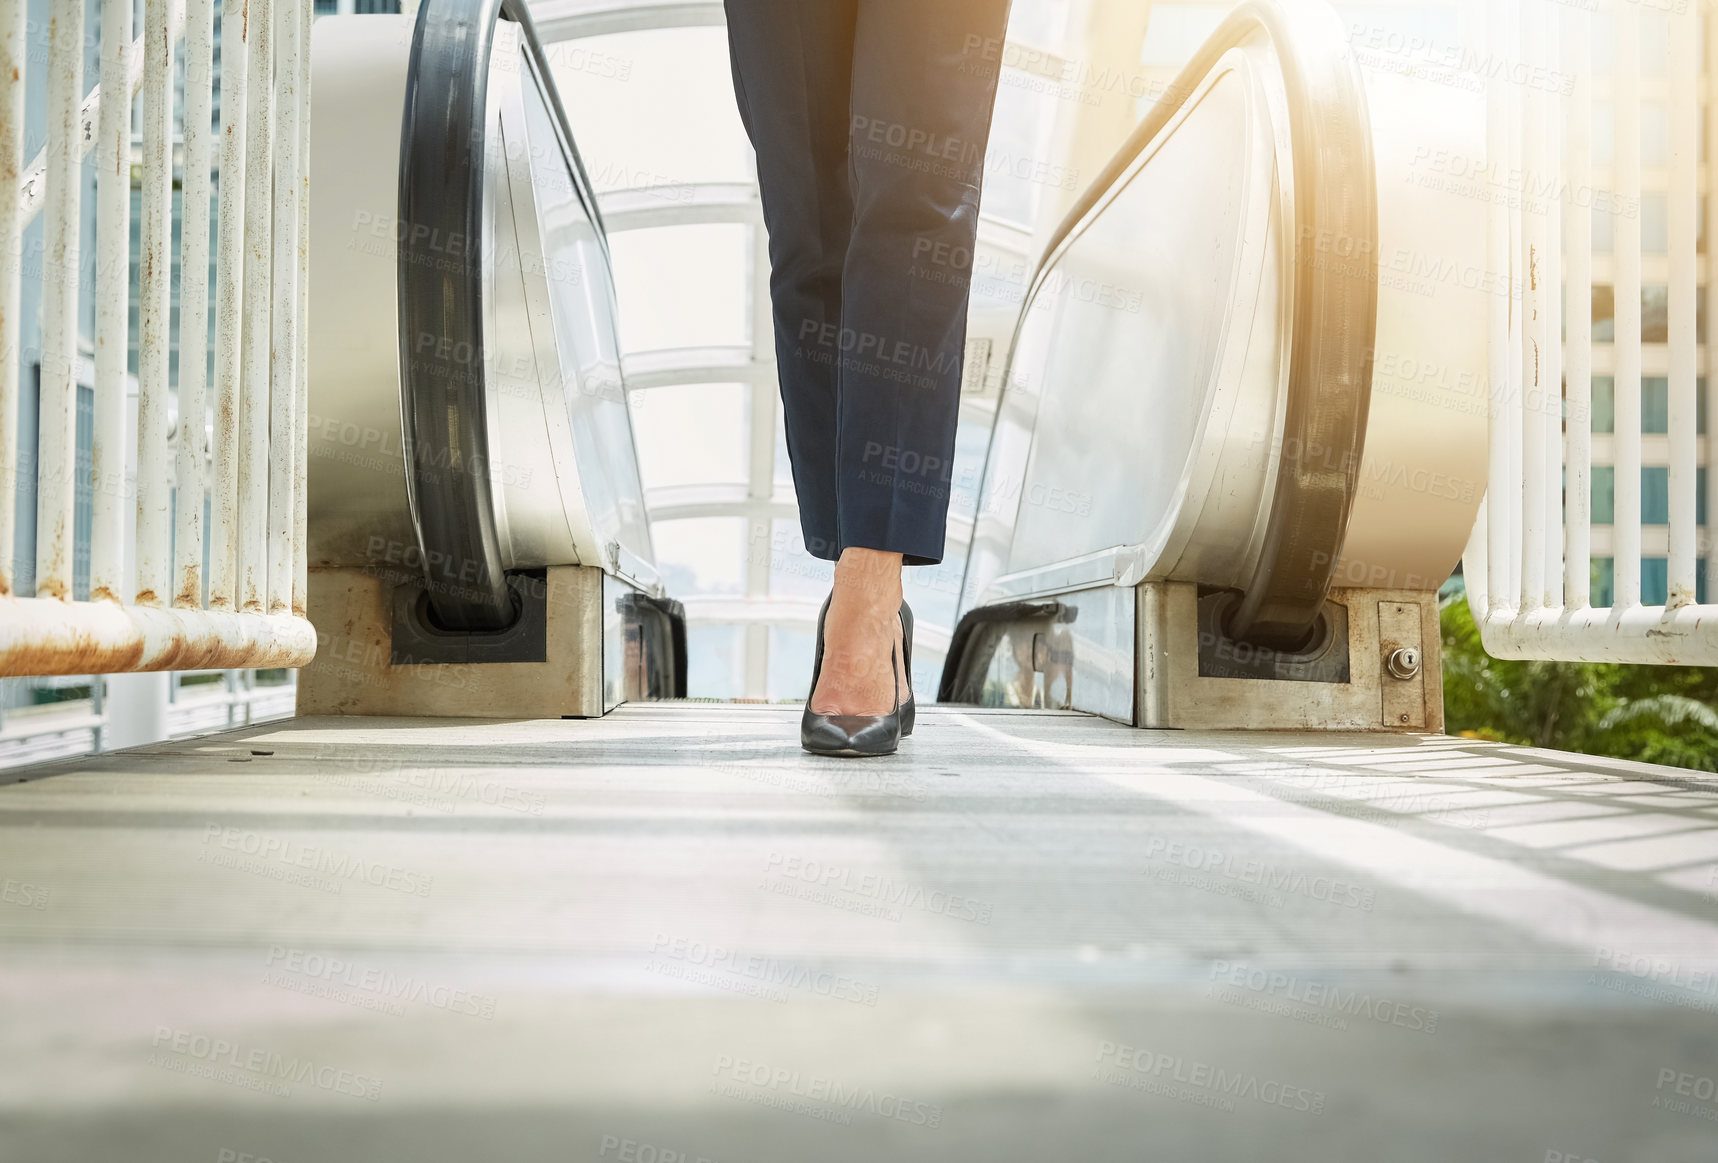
x=1654 y=714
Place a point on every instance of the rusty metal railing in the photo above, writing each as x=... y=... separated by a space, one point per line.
x=150 y=607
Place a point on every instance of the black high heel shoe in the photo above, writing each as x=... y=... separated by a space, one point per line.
x=853 y=735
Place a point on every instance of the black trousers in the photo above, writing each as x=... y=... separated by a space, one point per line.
x=870 y=120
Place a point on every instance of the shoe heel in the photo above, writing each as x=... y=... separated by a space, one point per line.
x=909 y=709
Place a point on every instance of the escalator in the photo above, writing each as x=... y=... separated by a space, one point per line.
x=466 y=319
x=1205 y=495
x=1206 y=465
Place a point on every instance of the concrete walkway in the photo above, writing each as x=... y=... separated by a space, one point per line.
x=670 y=936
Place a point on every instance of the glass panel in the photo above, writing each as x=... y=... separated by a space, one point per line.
x=791 y=656
x=1019 y=163
x=1654 y=134
x=1604 y=227
x=587 y=377
x=715 y=662
x=934 y=592
x=1603 y=586
x=783 y=466
x=1654 y=41
x=1655 y=314
x=655 y=107
x=1176 y=31
x=1040 y=23
x=702 y=555
x=794 y=573
x=1654 y=581
x=1431 y=28
x=1654 y=224
x=692 y=435
x=682 y=286
x=1604 y=494
x=1654 y=405
x=1604 y=404
x=1654 y=496
x=1604 y=314
x=971 y=443
x=999 y=279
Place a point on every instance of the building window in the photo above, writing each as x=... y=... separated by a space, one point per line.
x=1654 y=581
x=1654 y=314
x=1604 y=404
x=1604 y=588
x=1654 y=495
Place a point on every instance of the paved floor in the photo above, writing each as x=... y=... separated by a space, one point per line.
x=671 y=936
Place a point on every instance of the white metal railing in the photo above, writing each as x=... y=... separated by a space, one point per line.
x=1529 y=566
x=150 y=606
x=194 y=705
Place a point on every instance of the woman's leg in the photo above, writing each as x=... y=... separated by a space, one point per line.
x=924 y=86
x=793 y=62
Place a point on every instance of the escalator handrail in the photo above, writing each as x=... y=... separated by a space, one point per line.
x=443 y=409
x=1335 y=300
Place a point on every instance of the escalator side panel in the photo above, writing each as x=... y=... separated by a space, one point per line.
x=1122 y=349
x=356 y=506
x=1161 y=414
x=516 y=427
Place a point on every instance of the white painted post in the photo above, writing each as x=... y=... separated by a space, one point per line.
x=254 y=395
x=301 y=425
x=1503 y=488
x=1626 y=520
x=1712 y=322
x=229 y=308
x=107 y=577
x=1534 y=340
x=57 y=457
x=154 y=314
x=13 y=50
x=283 y=345
x=194 y=302
x=1683 y=205
x=1578 y=487
x=1551 y=411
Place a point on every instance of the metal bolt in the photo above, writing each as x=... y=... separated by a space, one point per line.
x=1403 y=663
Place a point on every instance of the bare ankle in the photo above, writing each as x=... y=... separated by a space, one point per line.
x=870 y=574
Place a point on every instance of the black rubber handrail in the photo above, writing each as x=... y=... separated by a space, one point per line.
x=443 y=134
x=1335 y=302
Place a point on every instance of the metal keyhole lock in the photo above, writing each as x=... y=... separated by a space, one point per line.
x=1403 y=663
